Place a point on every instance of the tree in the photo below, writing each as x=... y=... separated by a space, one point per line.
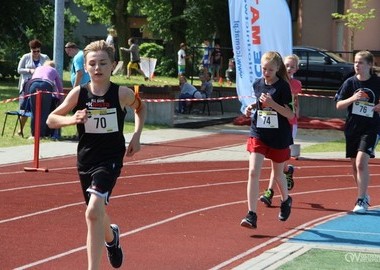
x=356 y=17
x=173 y=21
x=112 y=13
x=24 y=20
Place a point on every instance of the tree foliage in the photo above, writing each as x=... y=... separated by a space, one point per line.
x=23 y=21
x=356 y=17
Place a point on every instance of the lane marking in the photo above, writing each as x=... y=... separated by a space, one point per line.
x=167 y=220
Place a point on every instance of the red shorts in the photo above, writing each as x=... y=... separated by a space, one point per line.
x=254 y=145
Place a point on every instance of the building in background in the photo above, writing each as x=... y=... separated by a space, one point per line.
x=313 y=25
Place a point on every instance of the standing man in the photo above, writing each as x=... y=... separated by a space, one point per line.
x=182 y=59
x=79 y=75
x=134 y=60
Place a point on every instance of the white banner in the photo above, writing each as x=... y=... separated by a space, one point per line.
x=148 y=65
x=257 y=26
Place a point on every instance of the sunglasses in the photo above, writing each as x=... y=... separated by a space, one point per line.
x=36 y=51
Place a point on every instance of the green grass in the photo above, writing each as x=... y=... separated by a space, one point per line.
x=334 y=260
x=335 y=146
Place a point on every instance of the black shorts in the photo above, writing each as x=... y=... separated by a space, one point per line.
x=99 y=180
x=365 y=143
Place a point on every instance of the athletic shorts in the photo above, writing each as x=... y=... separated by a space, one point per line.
x=132 y=65
x=181 y=69
x=365 y=143
x=99 y=180
x=255 y=145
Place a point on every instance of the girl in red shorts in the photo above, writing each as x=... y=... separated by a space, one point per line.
x=270 y=133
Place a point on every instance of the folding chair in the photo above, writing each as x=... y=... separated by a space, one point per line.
x=19 y=114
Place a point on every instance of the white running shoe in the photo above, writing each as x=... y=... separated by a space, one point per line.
x=361 y=206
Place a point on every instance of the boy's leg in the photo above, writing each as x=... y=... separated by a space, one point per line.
x=95 y=219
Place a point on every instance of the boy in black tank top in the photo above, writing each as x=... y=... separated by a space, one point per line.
x=99 y=110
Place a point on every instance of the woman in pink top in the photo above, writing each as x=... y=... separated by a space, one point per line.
x=45 y=78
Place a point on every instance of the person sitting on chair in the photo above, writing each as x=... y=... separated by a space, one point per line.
x=187 y=91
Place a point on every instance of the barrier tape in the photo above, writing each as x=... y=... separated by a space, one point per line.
x=29 y=95
x=161 y=100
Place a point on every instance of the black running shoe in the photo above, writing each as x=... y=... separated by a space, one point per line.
x=289 y=177
x=286 y=207
x=250 y=221
x=115 y=253
x=267 y=197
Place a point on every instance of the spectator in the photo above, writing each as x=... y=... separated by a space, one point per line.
x=206 y=55
x=216 y=62
x=206 y=86
x=187 y=91
x=134 y=61
x=49 y=77
x=26 y=66
x=79 y=75
x=112 y=41
x=182 y=59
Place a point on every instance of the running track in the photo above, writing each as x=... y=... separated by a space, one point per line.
x=172 y=215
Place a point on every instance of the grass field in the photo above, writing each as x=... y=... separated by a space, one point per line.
x=335 y=260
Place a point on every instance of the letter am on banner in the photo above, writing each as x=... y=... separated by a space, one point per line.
x=257 y=26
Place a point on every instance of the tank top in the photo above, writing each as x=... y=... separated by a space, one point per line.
x=101 y=138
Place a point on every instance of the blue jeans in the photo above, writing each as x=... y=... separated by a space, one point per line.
x=182 y=104
x=47 y=104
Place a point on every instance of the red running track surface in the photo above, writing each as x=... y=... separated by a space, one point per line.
x=177 y=215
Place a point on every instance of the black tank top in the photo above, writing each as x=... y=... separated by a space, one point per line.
x=101 y=139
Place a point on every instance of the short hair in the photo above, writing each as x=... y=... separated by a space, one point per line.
x=293 y=57
x=182 y=45
x=50 y=63
x=100 y=45
x=35 y=43
x=71 y=45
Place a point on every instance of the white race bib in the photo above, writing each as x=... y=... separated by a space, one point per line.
x=363 y=108
x=267 y=119
x=101 y=121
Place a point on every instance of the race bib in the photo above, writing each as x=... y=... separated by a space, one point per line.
x=363 y=108
x=267 y=119
x=101 y=121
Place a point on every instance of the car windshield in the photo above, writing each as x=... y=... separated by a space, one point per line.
x=335 y=56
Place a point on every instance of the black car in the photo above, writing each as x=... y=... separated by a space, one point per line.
x=321 y=69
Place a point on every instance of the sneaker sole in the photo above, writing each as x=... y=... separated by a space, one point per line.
x=245 y=224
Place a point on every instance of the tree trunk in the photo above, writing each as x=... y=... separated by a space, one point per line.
x=120 y=20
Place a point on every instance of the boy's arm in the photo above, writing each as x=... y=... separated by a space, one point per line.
x=60 y=118
x=128 y=98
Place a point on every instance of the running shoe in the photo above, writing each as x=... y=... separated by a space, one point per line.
x=250 y=221
x=289 y=177
x=266 y=198
x=115 y=253
x=361 y=205
x=285 y=209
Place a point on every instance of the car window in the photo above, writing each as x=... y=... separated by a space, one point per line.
x=313 y=56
